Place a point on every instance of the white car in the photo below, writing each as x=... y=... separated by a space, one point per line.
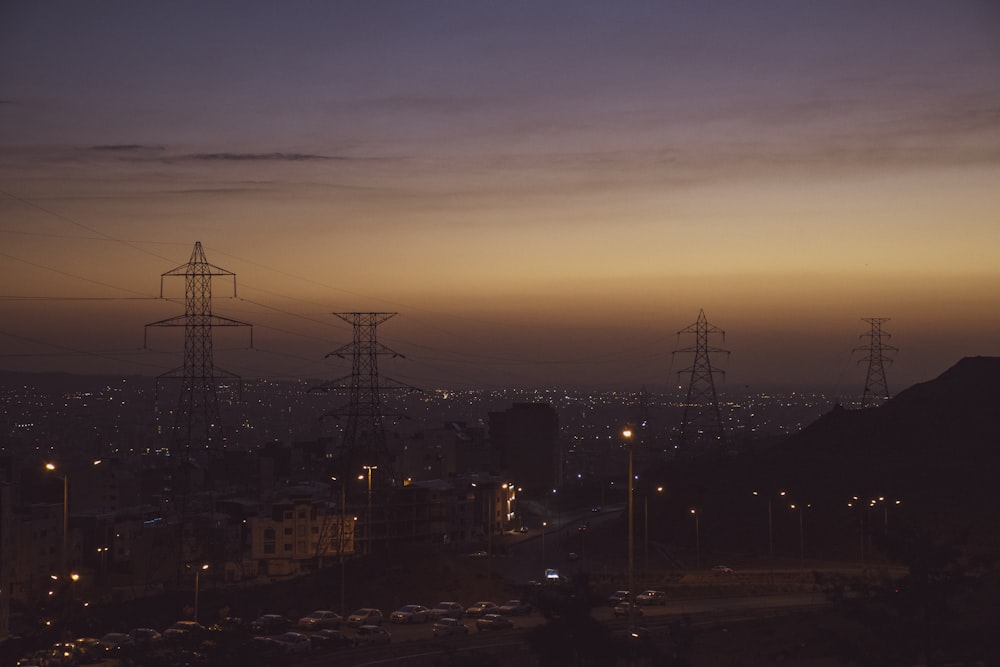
x=411 y=613
x=447 y=610
x=449 y=626
x=321 y=619
x=294 y=642
x=618 y=597
x=651 y=597
x=373 y=634
x=365 y=616
x=481 y=608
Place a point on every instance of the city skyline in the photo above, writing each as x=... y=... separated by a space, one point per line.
x=546 y=194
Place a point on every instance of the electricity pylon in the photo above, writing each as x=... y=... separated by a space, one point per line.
x=876 y=389
x=197 y=422
x=364 y=442
x=701 y=421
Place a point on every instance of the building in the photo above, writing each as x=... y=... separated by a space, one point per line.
x=526 y=436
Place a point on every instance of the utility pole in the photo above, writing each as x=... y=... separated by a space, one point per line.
x=876 y=389
x=702 y=420
x=197 y=419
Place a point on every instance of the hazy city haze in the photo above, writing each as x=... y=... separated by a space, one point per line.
x=545 y=192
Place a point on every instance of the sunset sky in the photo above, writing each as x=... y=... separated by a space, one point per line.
x=545 y=191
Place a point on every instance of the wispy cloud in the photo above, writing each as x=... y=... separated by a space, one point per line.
x=260 y=157
x=126 y=148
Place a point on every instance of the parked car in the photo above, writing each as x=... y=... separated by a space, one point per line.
x=36 y=659
x=90 y=648
x=651 y=597
x=330 y=639
x=627 y=609
x=294 y=642
x=479 y=554
x=373 y=634
x=618 y=596
x=449 y=626
x=182 y=629
x=514 y=608
x=116 y=641
x=722 y=569
x=446 y=610
x=493 y=622
x=62 y=654
x=480 y=608
x=364 y=616
x=319 y=620
x=145 y=637
x=270 y=624
x=411 y=613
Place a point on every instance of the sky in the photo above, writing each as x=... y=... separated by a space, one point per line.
x=546 y=192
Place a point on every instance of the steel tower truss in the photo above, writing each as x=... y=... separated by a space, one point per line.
x=364 y=439
x=701 y=421
x=197 y=421
x=876 y=388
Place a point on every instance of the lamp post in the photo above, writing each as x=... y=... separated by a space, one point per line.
x=856 y=502
x=697 y=538
x=197 y=582
x=800 y=508
x=645 y=528
x=65 y=518
x=627 y=439
x=770 y=524
x=544 y=524
x=340 y=542
x=368 y=520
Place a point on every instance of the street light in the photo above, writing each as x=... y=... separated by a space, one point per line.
x=340 y=542
x=544 y=524
x=197 y=580
x=65 y=518
x=799 y=508
x=770 y=524
x=645 y=518
x=856 y=502
x=697 y=538
x=627 y=439
x=368 y=528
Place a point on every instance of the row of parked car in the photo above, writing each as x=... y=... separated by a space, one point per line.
x=276 y=633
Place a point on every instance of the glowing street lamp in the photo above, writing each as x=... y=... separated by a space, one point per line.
x=800 y=508
x=65 y=518
x=368 y=534
x=627 y=439
x=197 y=579
x=645 y=518
x=697 y=538
x=770 y=524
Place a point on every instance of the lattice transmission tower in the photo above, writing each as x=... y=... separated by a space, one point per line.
x=701 y=422
x=364 y=439
x=876 y=388
x=197 y=428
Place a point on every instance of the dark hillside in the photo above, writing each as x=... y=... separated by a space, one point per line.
x=935 y=447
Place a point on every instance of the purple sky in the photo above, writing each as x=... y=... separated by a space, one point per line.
x=545 y=191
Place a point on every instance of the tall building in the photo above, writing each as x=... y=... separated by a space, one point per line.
x=527 y=437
